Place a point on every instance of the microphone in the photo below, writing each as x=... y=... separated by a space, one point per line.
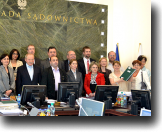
x=31 y=105
x=17 y=102
x=81 y=107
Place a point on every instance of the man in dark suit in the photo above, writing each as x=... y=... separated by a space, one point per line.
x=28 y=74
x=52 y=76
x=31 y=50
x=46 y=63
x=70 y=55
x=83 y=64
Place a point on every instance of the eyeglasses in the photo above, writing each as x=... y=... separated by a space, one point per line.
x=15 y=54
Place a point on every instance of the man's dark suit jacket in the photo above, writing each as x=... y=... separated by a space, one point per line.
x=81 y=68
x=23 y=77
x=49 y=80
x=46 y=63
x=37 y=61
x=66 y=66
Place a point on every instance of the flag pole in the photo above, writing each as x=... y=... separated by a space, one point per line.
x=139 y=47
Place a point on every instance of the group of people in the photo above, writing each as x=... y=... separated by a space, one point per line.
x=15 y=73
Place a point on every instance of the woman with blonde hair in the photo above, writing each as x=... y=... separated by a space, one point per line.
x=104 y=70
x=115 y=77
x=92 y=79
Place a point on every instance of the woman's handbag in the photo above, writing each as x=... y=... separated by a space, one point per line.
x=143 y=85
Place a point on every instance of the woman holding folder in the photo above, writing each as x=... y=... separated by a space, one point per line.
x=115 y=77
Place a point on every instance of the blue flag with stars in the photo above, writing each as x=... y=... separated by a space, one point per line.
x=117 y=53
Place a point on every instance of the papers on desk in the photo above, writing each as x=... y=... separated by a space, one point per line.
x=8 y=104
x=127 y=93
x=51 y=101
x=13 y=112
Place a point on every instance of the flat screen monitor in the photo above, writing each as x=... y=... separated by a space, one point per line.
x=32 y=93
x=142 y=98
x=106 y=92
x=65 y=89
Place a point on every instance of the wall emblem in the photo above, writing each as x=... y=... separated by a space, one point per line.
x=22 y=4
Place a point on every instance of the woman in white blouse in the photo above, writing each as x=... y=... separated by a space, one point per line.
x=14 y=61
x=115 y=77
x=137 y=77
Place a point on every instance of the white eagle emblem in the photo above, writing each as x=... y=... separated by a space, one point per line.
x=22 y=4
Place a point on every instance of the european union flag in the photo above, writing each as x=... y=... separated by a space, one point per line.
x=117 y=53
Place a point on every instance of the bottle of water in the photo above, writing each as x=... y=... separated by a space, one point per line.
x=119 y=100
x=52 y=108
x=48 y=111
x=18 y=100
x=125 y=101
x=122 y=99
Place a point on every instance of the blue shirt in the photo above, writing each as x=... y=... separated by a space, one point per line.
x=147 y=70
x=30 y=71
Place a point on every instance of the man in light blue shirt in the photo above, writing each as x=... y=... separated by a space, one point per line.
x=143 y=60
x=28 y=74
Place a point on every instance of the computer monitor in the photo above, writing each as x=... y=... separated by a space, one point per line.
x=141 y=98
x=34 y=94
x=106 y=92
x=68 y=92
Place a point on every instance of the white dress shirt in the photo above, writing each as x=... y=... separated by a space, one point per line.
x=74 y=73
x=57 y=77
x=85 y=63
x=30 y=71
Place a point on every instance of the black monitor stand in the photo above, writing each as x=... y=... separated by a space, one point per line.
x=134 y=107
x=36 y=103
x=108 y=103
x=72 y=100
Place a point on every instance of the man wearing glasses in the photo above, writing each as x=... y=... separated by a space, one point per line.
x=112 y=58
x=70 y=55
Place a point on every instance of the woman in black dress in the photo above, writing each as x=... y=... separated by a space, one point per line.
x=104 y=70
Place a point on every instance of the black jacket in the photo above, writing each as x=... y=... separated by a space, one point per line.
x=66 y=66
x=81 y=67
x=106 y=76
x=23 y=77
x=49 y=80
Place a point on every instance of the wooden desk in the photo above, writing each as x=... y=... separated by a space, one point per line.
x=109 y=112
x=67 y=111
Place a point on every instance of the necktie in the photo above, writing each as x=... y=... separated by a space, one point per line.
x=88 y=65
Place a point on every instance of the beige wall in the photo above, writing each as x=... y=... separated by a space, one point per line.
x=129 y=23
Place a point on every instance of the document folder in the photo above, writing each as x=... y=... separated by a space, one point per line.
x=127 y=73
